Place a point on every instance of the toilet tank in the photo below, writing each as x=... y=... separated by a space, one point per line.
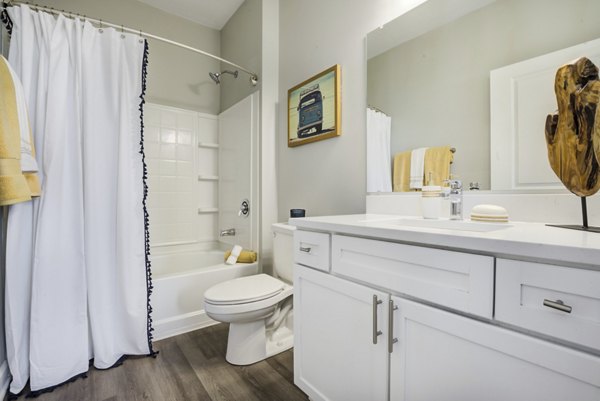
x=283 y=246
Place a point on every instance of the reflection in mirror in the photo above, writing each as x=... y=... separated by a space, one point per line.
x=429 y=71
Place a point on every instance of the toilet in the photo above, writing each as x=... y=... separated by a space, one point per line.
x=258 y=308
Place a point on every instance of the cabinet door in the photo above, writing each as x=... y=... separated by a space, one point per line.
x=334 y=355
x=443 y=356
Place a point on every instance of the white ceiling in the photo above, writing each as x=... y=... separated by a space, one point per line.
x=210 y=13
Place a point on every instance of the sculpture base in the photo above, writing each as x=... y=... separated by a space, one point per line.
x=576 y=227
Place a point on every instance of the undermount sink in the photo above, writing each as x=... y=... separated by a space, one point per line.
x=444 y=224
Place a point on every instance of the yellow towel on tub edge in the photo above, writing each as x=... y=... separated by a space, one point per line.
x=246 y=256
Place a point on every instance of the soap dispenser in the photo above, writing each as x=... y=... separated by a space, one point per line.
x=431 y=201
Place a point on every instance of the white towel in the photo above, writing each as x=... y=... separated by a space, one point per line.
x=417 y=164
x=235 y=253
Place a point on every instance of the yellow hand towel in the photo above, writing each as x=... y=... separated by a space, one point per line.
x=245 y=256
x=18 y=181
x=401 y=175
x=437 y=162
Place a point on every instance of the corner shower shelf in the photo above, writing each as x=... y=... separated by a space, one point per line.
x=208 y=145
x=208 y=178
x=203 y=210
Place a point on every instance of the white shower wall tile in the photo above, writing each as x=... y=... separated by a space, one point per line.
x=167 y=167
x=151 y=133
x=168 y=135
x=152 y=149
x=208 y=193
x=184 y=201
x=208 y=162
x=182 y=215
x=184 y=137
x=186 y=184
x=207 y=228
x=185 y=168
x=185 y=152
x=174 y=162
x=208 y=129
x=168 y=184
x=151 y=117
x=188 y=122
x=168 y=118
x=167 y=151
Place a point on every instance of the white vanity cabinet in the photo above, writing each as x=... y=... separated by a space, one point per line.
x=383 y=320
x=333 y=328
x=444 y=356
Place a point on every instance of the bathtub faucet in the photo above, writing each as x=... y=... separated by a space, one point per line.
x=230 y=232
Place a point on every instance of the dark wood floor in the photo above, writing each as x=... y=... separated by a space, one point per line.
x=190 y=367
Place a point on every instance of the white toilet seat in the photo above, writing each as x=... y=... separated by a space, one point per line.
x=243 y=290
x=259 y=292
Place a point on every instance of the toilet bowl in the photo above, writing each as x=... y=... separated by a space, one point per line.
x=258 y=308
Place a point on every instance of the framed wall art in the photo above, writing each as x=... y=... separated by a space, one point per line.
x=314 y=108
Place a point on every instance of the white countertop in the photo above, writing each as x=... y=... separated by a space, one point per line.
x=529 y=241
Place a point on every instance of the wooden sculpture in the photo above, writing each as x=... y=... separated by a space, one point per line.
x=573 y=134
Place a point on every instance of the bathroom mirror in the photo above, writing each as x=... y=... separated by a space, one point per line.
x=429 y=69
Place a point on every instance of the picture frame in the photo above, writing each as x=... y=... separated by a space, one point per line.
x=314 y=108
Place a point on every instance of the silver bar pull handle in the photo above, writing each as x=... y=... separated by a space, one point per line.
x=376 y=332
x=391 y=339
x=305 y=249
x=558 y=305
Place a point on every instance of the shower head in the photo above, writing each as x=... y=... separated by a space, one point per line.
x=216 y=76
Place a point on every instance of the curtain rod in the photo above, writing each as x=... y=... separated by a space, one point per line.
x=102 y=23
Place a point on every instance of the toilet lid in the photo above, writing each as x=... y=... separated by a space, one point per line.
x=244 y=290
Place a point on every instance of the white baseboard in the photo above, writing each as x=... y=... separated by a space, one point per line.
x=4 y=379
x=181 y=324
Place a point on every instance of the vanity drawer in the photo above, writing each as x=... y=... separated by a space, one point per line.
x=311 y=249
x=527 y=295
x=455 y=280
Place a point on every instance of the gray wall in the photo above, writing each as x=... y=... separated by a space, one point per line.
x=329 y=176
x=176 y=77
x=241 y=44
x=436 y=87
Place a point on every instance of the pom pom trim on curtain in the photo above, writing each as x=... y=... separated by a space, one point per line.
x=150 y=287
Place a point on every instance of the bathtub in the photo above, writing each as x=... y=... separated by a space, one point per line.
x=180 y=280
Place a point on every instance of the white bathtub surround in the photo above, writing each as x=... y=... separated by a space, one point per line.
x=76 y=279
x=201 y=169
x=238 y=172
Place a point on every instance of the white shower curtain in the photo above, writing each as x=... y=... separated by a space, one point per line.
x=379 y=166
x=77 y=279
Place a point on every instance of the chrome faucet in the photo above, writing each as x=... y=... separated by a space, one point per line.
x=230 y=232
x=456 y=199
